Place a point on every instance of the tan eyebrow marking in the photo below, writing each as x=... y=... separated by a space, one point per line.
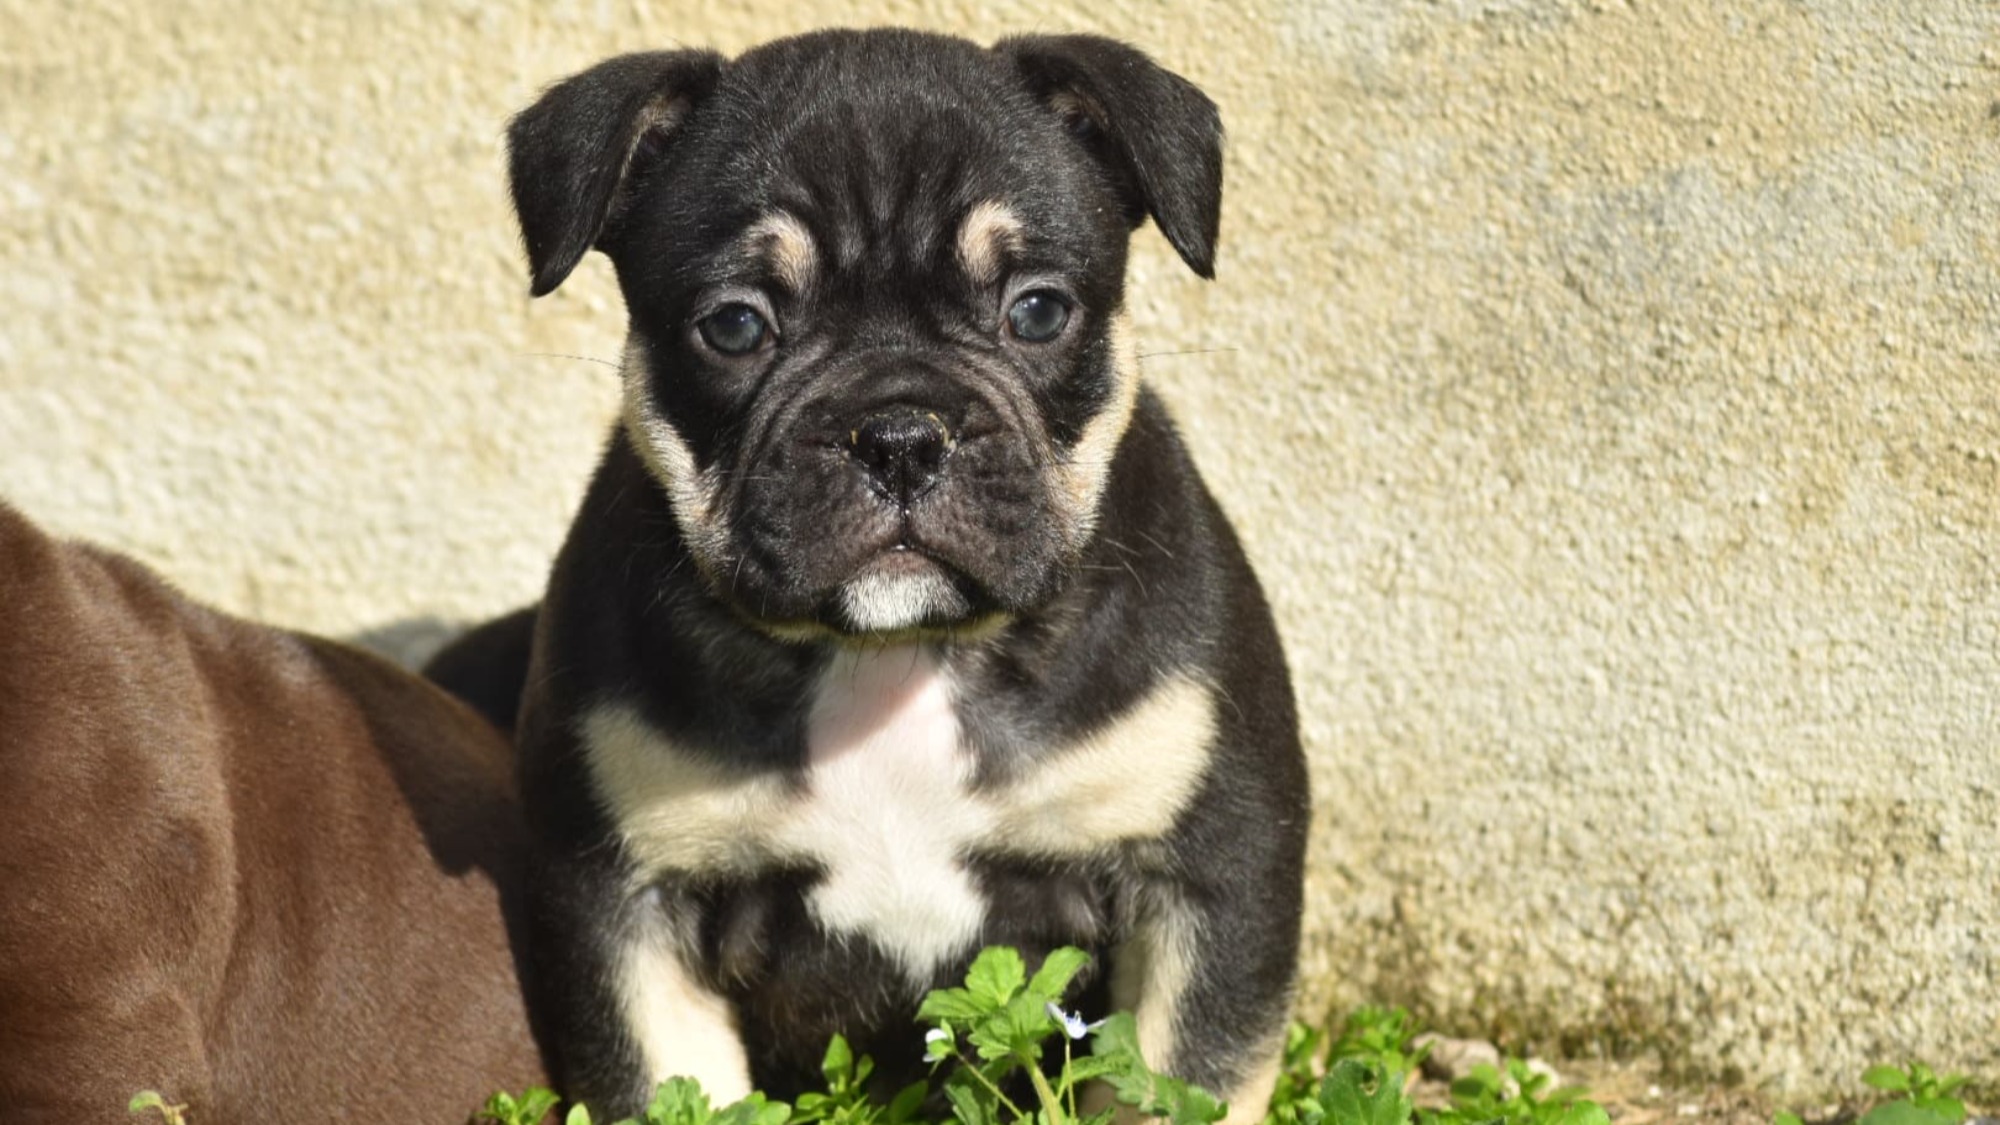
x=783 y=241
x=990 y=230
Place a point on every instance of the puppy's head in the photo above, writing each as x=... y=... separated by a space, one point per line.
x=875 y=283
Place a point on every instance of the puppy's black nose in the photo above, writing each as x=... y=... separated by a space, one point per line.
x=903 y=451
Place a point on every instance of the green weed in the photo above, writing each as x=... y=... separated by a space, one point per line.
x=1512 y=1094
x=1927 y=1097
x=152 y=1099
x=1002 y=1026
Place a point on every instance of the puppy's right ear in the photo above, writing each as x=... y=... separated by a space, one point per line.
x=571 y=154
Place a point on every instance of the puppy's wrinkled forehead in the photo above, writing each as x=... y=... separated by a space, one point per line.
x=848 y=157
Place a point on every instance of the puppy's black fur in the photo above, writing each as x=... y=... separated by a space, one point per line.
x=899 y=466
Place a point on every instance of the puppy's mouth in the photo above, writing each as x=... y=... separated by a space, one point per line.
x=898 y=591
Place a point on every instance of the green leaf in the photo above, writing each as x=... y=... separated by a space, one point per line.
x=678 y=1101
x=1302 y=1045
x=968 y=1105
x=1357 y=1093
x=1380 y=1036
x=1582 y=1113
x=753 y=1110
x=1134 y=1087
x=1188 y=1104
x=1116 y=1037
x=1014 y=1032
x=1951 y=1109
x=1115 y=1057
x=1528 y=1084
x=1475 y=1086
x=907 y=1103
x=144 y=1100
x=996 y=975
x=1056 y=971
x=952 y=1004
x=838 y=1065
x=1093 y=1066
x=1786 y=1119
x=578 y=1115
x=1901 y=1113
x=529 y=1109
x=1564 y=1095
x=535 y=1104
x=1117 y=1043
x=1887 y=1078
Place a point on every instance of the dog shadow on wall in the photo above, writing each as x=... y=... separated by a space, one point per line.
x=487 y=673
x=411 y=641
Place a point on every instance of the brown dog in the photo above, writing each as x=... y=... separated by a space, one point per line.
x=260 y=872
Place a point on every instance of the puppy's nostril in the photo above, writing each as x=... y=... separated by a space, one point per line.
x=903 y=451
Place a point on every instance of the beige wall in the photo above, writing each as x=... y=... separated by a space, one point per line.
x=1610 y=392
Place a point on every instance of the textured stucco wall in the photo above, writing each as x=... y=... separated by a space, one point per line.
x=1610 y=392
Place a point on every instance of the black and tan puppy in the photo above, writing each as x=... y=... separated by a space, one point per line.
x=896 y=622
x=260 y=872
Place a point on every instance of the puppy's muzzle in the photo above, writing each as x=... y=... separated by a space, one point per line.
x=903 y=451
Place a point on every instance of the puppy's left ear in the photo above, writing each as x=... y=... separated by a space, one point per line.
x=1157 y=134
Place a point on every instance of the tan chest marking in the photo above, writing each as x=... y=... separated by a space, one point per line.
x=886 y=807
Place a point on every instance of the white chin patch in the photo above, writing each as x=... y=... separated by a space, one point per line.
x=879 y=602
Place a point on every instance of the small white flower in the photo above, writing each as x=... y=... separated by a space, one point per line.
x=936 y=1035
x=1072 y=1022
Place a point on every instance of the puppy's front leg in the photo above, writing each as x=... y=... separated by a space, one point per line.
x=625 y=1009
x=1207 y=973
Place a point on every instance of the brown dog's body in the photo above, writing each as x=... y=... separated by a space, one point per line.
x=262 y=873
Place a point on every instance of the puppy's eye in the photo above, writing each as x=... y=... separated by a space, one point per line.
x=1038 y=317
x=734 y=329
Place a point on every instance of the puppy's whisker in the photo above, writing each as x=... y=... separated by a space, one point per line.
x=1134 y=572
x=1124 y=566
x=1186 y=351
x=579 y=358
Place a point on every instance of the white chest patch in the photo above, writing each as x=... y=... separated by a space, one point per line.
x=888 y=813
x=887 y=810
